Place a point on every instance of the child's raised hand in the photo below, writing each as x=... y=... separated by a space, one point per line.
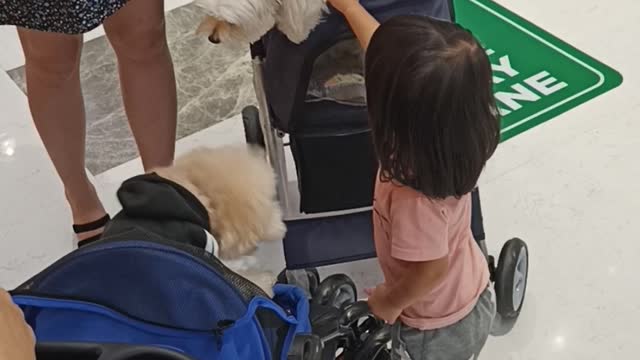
x=381 y=306
x=343 y=5
x=359 y=19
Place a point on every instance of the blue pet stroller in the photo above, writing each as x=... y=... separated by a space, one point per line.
x=123 y=299
x=153 y=299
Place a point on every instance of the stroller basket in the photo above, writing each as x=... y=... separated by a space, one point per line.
x=163 y=295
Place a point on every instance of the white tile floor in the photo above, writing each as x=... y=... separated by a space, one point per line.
x=567 y=187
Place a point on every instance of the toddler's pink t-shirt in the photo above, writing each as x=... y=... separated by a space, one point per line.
x=410 y=227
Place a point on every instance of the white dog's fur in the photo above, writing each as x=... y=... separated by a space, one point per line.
x=237 y=187
x=246 y=21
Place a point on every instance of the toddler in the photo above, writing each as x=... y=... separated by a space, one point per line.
x=434 y=124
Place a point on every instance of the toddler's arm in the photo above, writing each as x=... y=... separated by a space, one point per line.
x=361 y=22
x=418 y=230
x=417 y=279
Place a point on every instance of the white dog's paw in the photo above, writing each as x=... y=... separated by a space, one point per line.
x=297 y=18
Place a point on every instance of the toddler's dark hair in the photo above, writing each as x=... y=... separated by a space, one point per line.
x=431 y=106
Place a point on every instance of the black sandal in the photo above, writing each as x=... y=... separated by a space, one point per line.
x=94 y=225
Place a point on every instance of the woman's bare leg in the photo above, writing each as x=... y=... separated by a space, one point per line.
x=57 y=108
x=137 y=34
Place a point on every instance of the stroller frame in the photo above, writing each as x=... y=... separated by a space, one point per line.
x=509 y=272
x=274 y=142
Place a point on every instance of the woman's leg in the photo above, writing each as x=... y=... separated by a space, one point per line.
x=57 y=108
x=137 y=34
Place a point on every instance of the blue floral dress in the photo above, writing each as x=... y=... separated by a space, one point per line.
x=61 y=16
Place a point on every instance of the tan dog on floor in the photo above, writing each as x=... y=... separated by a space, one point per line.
x=242 y=22
x=237 y=187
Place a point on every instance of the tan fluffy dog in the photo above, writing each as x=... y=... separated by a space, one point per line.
x=237 y=187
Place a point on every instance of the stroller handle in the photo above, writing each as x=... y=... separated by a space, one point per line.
x=91 y=351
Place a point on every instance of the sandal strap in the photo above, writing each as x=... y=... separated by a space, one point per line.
x=94 y=225
x=90 y=240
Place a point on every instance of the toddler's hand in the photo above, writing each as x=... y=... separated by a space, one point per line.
x=381 y=306
x=343 y=5
x=369 y=291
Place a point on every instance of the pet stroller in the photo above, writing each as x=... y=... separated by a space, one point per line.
x=124 y=299
x=137 y=296
x=311 y=99
x=152 y=288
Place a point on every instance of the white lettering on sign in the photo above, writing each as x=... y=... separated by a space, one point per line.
x=503 y=111
x=543 y=83
x=520 y=93
x=504 y=67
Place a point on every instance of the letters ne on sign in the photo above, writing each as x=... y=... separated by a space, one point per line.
x=531 y=89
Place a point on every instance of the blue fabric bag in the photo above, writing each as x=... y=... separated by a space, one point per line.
x=162 y=294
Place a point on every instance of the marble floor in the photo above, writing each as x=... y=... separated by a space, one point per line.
x=567 y=187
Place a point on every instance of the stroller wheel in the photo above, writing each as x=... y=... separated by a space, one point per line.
x=252 y=128
x=336 y=290
x=354 y=312
x=313 y=278
x=360 y=320
x=511 y=278
x=376 y=347
x=305 y=347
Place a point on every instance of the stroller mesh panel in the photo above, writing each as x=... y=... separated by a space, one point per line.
x=338 y=75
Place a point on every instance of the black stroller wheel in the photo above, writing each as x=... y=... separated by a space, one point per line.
x=362 y=323
x=511 y=278
x=376 y=347
x=353 y=313
x=337 y=290
x=252 y=128
x=305 y=347
x=312 y=275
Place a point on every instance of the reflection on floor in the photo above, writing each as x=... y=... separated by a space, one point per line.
x=214 y=83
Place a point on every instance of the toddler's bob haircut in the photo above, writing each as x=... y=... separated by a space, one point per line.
x=431 y=106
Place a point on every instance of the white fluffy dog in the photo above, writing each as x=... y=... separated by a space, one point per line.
x=246 y=21
x=237 y=186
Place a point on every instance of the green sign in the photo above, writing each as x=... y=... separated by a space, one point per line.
x=537 y=76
